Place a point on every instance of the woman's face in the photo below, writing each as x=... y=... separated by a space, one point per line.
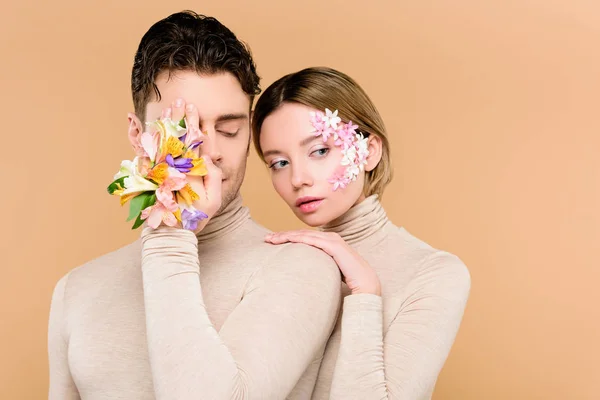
x=301 y=166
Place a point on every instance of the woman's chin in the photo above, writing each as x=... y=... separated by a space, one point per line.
x=313 y=220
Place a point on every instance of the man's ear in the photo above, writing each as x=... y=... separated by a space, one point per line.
x=134 y=130
x=375 y=151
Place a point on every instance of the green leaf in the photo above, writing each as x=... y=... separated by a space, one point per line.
x=148 y=201
x=138 y=222
x=182 y=123
x=136 y=205
x=119 y=183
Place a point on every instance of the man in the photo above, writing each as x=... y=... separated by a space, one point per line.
x=215 y=315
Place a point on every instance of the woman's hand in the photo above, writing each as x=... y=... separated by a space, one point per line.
x=358 y=274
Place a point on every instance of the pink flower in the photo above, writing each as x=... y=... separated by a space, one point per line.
x=166 y=197
x=326 y=132
x=157 y=214
x=150 y=143
x=173 y=182
x=351 y=128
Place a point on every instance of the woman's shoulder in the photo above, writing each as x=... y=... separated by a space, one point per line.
x=427 y=260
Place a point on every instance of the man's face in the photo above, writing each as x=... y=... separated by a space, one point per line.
x=223 y=108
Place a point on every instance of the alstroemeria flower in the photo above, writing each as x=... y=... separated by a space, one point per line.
x=181 y=164
x=173 y=128
x=166 y=198
x=135 y=183
x=127 y=168
x=187 y=195
x=157 y=214
x=191 y=217
x=150 y=143
x=174 y=147
x=199 y=168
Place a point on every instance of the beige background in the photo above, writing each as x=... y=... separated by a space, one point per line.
x=492 y=107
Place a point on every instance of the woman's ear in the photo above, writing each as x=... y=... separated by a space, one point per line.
x=375 y=151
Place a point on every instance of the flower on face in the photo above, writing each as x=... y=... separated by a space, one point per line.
x=349 y=156
x=326 y=132
x=339 y=182
x=157 y=214
x=351 y=128
x=331 y=119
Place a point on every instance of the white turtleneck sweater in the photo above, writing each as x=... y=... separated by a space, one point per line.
x=393 y=346
x=173 y=316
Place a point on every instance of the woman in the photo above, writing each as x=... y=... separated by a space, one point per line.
x=327 y=149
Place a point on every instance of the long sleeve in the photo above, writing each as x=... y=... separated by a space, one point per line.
x=266 y=343
x=62 y=386
x=405 y=364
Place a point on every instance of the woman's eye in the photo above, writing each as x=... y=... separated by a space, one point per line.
x=278 y=164
x=320 y=152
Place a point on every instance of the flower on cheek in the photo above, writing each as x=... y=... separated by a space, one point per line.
x=355 y=148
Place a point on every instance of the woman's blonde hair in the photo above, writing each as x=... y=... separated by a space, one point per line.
x=321 y=88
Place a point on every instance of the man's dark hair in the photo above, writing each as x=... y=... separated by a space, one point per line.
x=191 y=42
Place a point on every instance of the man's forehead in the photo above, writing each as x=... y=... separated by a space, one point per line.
x=216 y=96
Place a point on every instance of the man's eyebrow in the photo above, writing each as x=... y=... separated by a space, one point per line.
x=231 y=117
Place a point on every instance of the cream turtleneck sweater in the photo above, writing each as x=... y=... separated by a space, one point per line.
x=173 y=316
x=393 y=346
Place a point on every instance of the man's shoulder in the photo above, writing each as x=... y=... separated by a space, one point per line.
x=112 y=265
x=290 y=251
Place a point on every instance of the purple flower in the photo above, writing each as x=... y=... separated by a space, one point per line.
x=190 y=219
x=181 y=164
x=195 y=144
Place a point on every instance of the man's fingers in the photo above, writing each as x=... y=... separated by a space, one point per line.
x=192 y=119
x=178 y=107
x=213 y=182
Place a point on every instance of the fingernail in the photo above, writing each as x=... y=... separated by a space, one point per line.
x=178 y=103
x=190 y=107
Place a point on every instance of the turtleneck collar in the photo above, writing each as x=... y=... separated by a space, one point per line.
x=228 y=220
x=363 y=220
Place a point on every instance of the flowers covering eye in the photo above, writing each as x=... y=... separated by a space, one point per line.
x=155 y=182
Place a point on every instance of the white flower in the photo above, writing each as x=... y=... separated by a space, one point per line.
x=167 y=127
x=173 y=128
x=135 y=183
x=352 y=172
x=349 y=155
x=127 y=168
x=331 y=119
